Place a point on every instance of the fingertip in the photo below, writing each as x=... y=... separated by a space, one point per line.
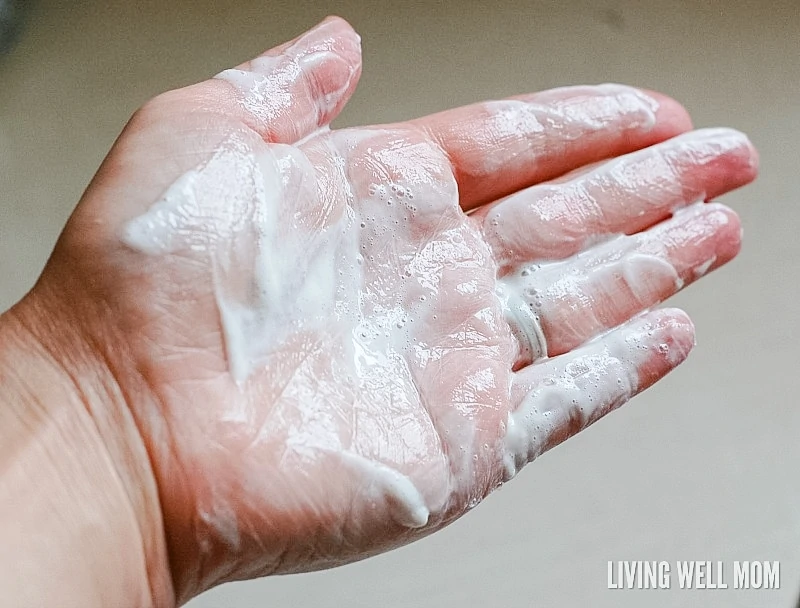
x=337 y=72
x=349 y=41
x=728 y=228
x=738 y=157
x=294 y=89
x=334 y=75
x=332 y=36
x=676 y=320
x=671 y=339
x=701 y=238
x=754 y=157
x=338 y=21
x=679 y=337
x=671 y=117
x=744 y=159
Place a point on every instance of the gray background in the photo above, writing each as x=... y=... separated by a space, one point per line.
x=704 y=466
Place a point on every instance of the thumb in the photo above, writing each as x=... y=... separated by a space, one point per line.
x=296 y=88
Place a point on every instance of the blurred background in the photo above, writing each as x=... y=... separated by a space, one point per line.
x=705 y=466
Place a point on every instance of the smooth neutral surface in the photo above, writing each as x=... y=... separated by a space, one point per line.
x=705 y=466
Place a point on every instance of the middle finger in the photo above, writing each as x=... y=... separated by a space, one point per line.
x=556 y=220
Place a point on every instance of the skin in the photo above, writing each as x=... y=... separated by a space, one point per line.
x=210 y=476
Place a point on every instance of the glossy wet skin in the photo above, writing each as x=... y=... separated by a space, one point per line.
x=365 y=415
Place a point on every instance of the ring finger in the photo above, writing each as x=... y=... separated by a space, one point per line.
x=556 y=306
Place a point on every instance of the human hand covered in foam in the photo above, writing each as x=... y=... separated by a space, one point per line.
x=336 y=342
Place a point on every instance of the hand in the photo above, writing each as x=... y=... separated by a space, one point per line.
x=336 y=342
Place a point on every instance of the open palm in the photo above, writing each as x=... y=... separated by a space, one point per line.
x=335 y=342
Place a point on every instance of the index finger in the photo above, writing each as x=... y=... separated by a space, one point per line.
x=499 y=147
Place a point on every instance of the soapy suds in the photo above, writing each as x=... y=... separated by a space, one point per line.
x=276 y=272
x=703 y=268
x=406 y=504
x=266 y=285
x=576 y=393
x=377 y=274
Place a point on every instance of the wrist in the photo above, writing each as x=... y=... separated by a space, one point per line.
x=80 y=521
